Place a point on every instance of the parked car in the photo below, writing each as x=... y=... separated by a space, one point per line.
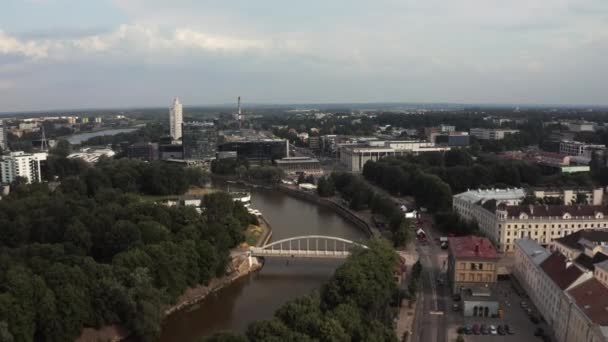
x=523 y=304
x=456 y=297
x=468 y=329
x=509 y=330
x=484 y=329
x=493 y=330
x=501 y=330
x=476 y=329
x=456 y=307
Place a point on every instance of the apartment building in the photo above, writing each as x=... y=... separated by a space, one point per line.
x=471 y=263
x=593 y=196
x=572 y=299
x=21 y=164
x=491 y=133
x=467 y=204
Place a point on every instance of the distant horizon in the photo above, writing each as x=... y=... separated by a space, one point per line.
x=294 y=105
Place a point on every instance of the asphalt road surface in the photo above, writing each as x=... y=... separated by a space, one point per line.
x=430 y=324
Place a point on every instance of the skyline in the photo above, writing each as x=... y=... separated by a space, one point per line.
x=130 y=53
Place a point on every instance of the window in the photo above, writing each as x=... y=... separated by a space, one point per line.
x=474 y=266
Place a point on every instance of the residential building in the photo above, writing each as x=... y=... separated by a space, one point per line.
x=3 y=137
x=355 y=156
x=573 y=300
x=143 y=151
x=577 y=148
x=21 y=164
x=329 y=143
x=314 y=143
x=472 y=262
x=199 y=140
x=300 y=165
x=176 y=119
x=491 y=133
x=586 y=242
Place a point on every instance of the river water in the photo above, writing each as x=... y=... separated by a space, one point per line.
x=78 y=138
x=257 y=296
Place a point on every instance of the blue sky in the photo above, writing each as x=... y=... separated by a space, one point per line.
x=57 y=54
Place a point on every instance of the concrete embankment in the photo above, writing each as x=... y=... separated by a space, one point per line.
x=330 y=203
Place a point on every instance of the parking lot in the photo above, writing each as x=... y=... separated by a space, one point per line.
x=514 y=316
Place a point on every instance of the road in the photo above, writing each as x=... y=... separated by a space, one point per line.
x=431 y=325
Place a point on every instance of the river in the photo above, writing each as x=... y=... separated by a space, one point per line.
x=78 y=138
x=257 y=296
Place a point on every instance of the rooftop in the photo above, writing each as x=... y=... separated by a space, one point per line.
x=572 y=240
x=488 y=194
x=602 y=265
x=537 y=253
x=563 y=273
x=592 y=298
x=583 y=260
x=532 y=211
x=472 y=247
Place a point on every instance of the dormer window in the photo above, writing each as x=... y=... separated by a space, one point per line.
x=523 y=216
x=599 y=215
x=567 y=216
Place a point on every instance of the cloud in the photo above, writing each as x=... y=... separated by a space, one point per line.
x=33 y=49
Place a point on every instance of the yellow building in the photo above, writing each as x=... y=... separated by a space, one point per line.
x=472 y=263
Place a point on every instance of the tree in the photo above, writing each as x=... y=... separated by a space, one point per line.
x=325 y=187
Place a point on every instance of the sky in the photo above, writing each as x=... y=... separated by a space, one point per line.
x=70 y=54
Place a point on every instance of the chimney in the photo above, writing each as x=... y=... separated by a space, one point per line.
x=531 y=209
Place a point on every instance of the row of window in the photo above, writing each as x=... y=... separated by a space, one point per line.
x=591 y=225
x=474 y=277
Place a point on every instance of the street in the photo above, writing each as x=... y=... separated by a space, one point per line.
x=432 y=311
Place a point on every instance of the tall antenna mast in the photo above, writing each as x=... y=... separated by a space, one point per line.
x=239 y=113
x=43 y=143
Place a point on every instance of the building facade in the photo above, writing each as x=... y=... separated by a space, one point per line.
x=199 y=140
x=258 y=150
x=472 y=263
x=573 y=300
x=21 y=164
x=354 y=157
x=3 y=137
x=593 y=196
x=143 y=151
x=300 y=165
x=577 y=148
x=176 y=119
x=491 y=133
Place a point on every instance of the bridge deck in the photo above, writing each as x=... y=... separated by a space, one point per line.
x=259 y=252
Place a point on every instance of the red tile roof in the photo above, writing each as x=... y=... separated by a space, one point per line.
x=592 y=298
x=472 y=247
x=562 y=274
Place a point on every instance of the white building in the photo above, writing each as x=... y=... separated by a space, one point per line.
x=491 y=133
x=502 y=219
x=577 y=148
x=91 y=155
x=467 y=204
x=20 y=164
x=176 y=119
x=3 y=137
x=354 y=157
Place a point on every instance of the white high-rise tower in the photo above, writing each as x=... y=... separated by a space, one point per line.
x=176 y=119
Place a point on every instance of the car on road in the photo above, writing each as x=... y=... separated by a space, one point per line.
x=455 y=307
x=493 y=330
x=509 y=330
x=484 y=329
x=523 y=304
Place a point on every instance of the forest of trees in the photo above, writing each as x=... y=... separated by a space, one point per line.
x=355 y=305
x=91 y=252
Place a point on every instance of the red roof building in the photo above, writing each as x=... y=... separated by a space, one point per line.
x=472 y=247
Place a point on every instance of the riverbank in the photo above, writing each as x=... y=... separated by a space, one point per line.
x=240 y=266
x=363 y=223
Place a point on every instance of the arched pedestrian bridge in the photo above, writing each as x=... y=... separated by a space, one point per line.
x=311 y=246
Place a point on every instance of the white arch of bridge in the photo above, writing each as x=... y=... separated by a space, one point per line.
x=312 y=237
